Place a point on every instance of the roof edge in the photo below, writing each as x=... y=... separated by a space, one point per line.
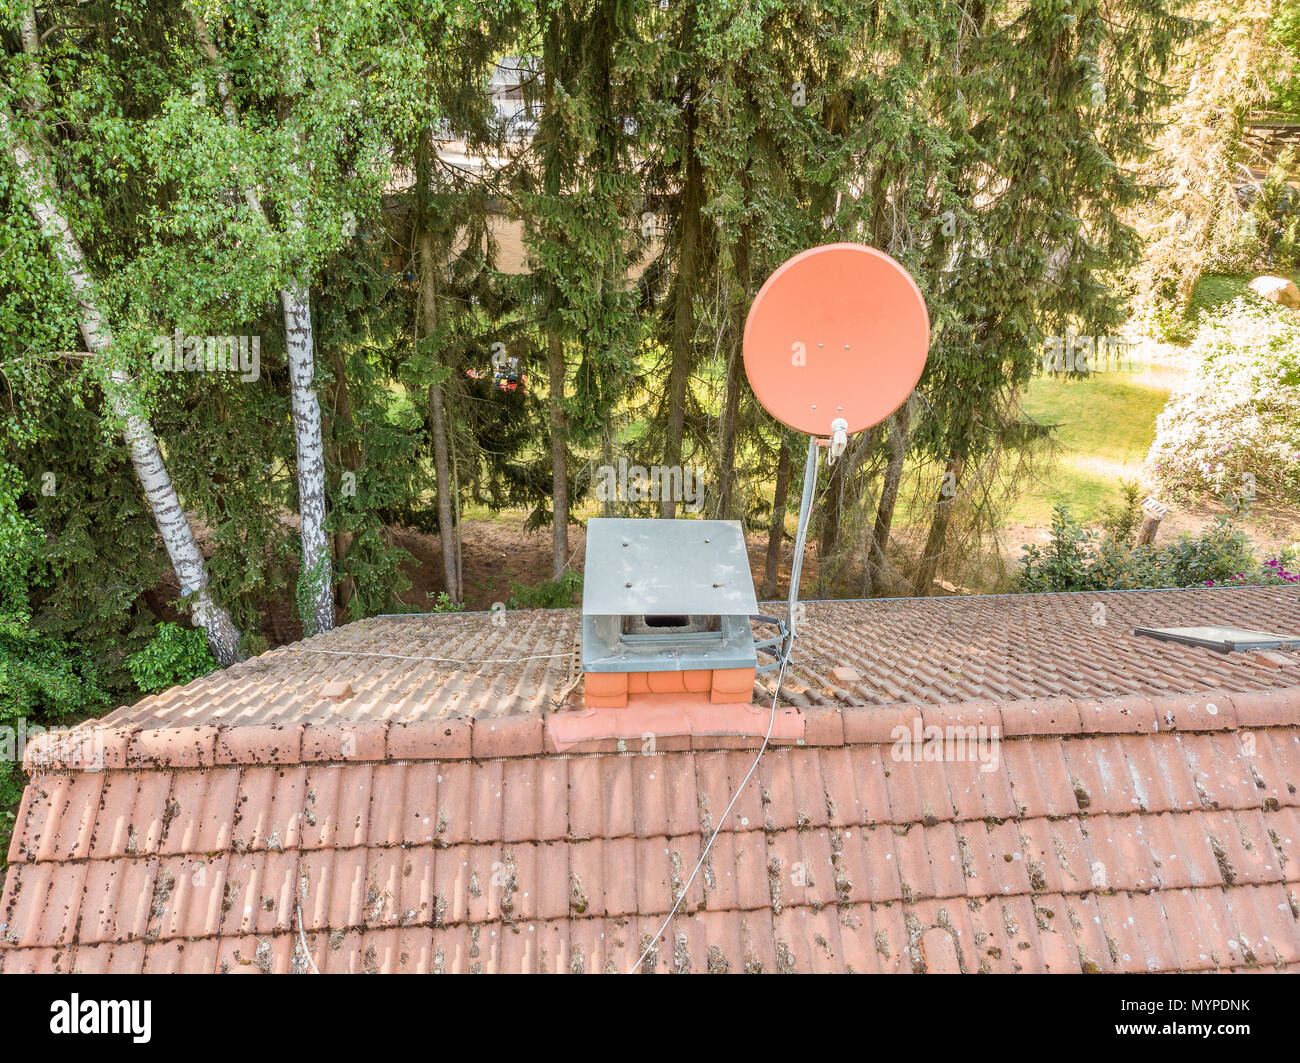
x=93 y=747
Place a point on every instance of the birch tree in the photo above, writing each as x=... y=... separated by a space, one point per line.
x=32 y=170
x=315 y=578
x=307 y=129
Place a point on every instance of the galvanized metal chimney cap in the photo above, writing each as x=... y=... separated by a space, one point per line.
x=667 y=567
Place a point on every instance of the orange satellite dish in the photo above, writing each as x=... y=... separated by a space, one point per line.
x=837 y=332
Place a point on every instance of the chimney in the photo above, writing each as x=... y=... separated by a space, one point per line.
x=665 y=611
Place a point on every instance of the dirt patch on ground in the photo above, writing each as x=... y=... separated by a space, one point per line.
x=494 y=554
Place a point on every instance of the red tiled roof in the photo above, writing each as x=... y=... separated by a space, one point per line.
x=424 y=828
x=906 y=651
x=195 y=849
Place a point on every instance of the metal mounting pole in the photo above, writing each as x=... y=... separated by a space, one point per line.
x=796 y=562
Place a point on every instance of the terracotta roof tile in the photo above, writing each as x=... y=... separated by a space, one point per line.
x=1039 y=777
x=1117 y=855
x=948 y=862
x=122 y=904
x=1161 y=764
x=1180 y=850
x=931 y=652
x=808 y=940
x=1220 y=771
x=735 y=874
x=717 y=779
x=871 y=861
x=1137 y=928
x=277 y=743
x=456 y=839
x=384 y=818
x=1284 y=831
x=1265 y=924
x=1242 y=848
x=1057 y=946
x=1273 y=759
x=994 y=862
x=1123 y=715
x=189 y=901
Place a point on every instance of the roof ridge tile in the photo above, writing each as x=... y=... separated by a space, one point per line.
x=93 y=746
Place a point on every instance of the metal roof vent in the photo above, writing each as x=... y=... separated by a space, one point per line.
x=1221 y=639
x=665 y=610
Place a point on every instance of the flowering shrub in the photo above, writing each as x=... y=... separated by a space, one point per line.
x=1274 y=572
x=1235 y=431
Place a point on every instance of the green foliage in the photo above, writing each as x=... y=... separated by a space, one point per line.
x=1276 y=214
x=548 y=594
x=1284 y=32
x=1120 y=521
x=173 y=657
x=1265 y=235
x=8 y=816
x=1194 y=217
x=1076 y=559
x=1235 y=428
x=1280 y=571
x=41 y=675
x=1215 y=291
x=44 y=680
x=1217 y=554
x=443 y=604
x=1066 y=562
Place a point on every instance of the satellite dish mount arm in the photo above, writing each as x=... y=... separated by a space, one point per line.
x=801 y=537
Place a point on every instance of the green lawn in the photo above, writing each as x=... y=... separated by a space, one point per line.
x=1215 y=289
x=1107 y=423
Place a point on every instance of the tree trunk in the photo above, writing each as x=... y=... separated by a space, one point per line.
x=554 y=340
x=1147 y=533
x=740 y=256
x=125 y=402
x=776 y=530
x=316 y=578
x=735 y=362
x=559 y=457
x=351 y=461
x=690 y=229
x=426 y=324
x=730 y=417
x=831 y=511
x=899 y=424
x=607 y=456
x=938 y=527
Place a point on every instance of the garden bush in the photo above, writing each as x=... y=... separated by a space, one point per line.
x=1076 y=558
x=1235 y=430
x=174 y=656
x=548 y=594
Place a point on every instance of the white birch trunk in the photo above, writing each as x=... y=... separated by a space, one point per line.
x=123 y=399
x=316 y=579
x=317 y=567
